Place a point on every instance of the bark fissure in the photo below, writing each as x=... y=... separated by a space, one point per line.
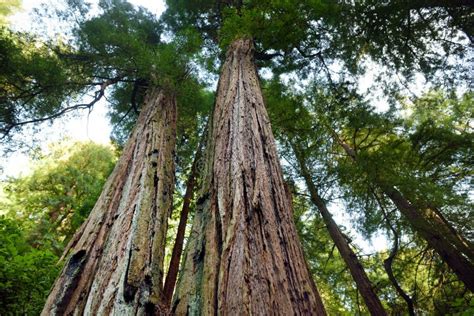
x=125 y=233
x=73 y=270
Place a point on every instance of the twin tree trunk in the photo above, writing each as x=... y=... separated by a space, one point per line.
x=116 y=265
x=350 y=259
x=243 y=255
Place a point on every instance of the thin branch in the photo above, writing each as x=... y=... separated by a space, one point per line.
x=266 y=56
x=331 y=254
x=387 y=263
x=98 y=95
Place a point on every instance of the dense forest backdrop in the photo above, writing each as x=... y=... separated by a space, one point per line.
x=243 y=133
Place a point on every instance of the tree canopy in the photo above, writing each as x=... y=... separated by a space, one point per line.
x=373 y=98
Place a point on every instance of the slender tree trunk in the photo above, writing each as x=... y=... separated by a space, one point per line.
x=244 y=256
x=437 y=236
x=172 y=275
x=350 y=258
x=116 y=265
x=387 y=263
x=451 y=248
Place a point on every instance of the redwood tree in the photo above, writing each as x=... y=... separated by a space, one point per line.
x=116 y=263
x=244 y=256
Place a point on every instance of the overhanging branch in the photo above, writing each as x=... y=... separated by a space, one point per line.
x=97 y=96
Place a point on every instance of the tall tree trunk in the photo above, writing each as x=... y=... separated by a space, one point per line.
x=172 y=275
x=116 y=265
x=350 y=258
x=452 y=249
x=244 y=256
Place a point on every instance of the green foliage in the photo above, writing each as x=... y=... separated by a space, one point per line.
x=26 y=273
x=401 y=38
x=7 y=8
x=124 y=44
x=423 y=150
x=426 y=155
x=125 y=41
x=201 y=14
x=57 y=196
x=334 y=282
x=117 y=54
x=43 y=210
x=33 y=79
x=315 y=52
x=267 y=22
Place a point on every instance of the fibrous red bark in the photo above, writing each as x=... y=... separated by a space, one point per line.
x=244 y=256
x=116 y=266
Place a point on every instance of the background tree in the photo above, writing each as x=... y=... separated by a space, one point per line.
x=58 y=194
x=64 y=182
x=423 y=155
x=26 y=273
x=7 y=8
x=300 y=118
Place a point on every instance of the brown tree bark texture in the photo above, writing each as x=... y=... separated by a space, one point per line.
x=355 y=267
x=244 y=256
x=116 y=265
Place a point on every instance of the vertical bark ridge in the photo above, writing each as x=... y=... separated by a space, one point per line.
x=244 y=255
x=117 y=261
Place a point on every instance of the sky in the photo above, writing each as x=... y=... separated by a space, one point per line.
x=94 y=125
